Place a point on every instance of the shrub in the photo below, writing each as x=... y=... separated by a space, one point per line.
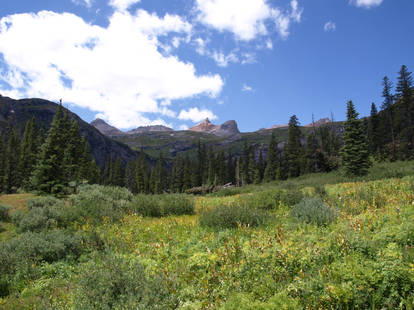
x=271 y=199
x=4 y=213
x=95 y=202
x=223 y=217
x=43 y=218
x=162 y=205
x=29 y=248
x=278 y=301
x=42 y=202
x=115 y=282
x=314 y=211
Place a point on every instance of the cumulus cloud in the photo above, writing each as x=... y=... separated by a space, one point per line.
x=247 y=19
x=247 y=88
x=121 y=5
x=195 y=115
x=116 y=71
x=367 y=4
x=329 y=26
x=183 y=127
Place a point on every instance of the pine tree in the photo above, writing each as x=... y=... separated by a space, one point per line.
x=387 y=106
x=29 y=150
x=130 y=171
x=293 y=149
x=260 y=167
x=187 y=177
x=118 y=173
x=405 y=114
x=2 y=161
x=49 y=173
x=355 y=151
x=270 y=172
x=141 y=175
x=73 y=151
x=11 y=180
x=374 y=132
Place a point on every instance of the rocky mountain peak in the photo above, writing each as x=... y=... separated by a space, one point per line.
x=105 y=128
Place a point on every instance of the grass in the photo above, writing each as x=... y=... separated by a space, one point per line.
x=16 y=201
x=363 y=260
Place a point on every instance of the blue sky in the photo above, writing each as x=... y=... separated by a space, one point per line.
x=176 y=62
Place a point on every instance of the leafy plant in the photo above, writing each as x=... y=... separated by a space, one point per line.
x=314 y=211
x=223 y=217
x=163 y=205
x=4 y=213
x=115 y=282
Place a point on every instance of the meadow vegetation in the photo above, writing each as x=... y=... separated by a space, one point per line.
x=320 y=241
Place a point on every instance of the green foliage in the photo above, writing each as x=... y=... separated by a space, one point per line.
x=314 y=211
x=277 y=302
x=227 y=217
x=42 y=202
x=271 y=199
x=96 y=203
x=4 y=213
x=116 y=282
x=355 y=151
x=162 y=205
x=29 y=248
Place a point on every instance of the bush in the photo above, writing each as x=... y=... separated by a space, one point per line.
x=48 y=216
x=96 y=202
x=223 y=217
x=243 y=302
x=42 y=202
x=4 y=213
x=162 y=205
x=314 y=211
x=271 y=199
x=30 y=248
x=115 y=282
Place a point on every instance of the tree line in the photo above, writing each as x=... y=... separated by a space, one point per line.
x=61 y=159
x=51 y=163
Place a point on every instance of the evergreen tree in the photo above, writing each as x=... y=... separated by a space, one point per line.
x=293 y=149
x=118 y=171
x=73 y=151
x=141 y=175
x=388 y=130
x=130 y=172
x=29 y=150
x=187 y=177
x=49 y=173
x=270 y=172
x=260 y=168
x=11 y=180
x=405 y=114
x=2 y=161
x=354 y=153
x=374 y=132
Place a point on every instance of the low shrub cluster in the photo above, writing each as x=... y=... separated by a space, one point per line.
x=116 y=282
x=162 y=205
x=314 y=211
x=224 y=217
x=96 y=202
x=4 y=213
x=271 y=199
x=44 y=213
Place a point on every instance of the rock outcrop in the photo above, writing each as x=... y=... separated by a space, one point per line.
x=227 y=129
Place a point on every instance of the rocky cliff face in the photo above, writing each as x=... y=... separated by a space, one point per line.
x=228 y=128
x=43 y=111
x=154 y=128
x=105 y=128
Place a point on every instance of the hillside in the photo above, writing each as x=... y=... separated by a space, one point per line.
x=43 y=110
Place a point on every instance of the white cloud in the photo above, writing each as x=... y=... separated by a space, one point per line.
x=183 y=127
x=246 y=19
x=87 y=3
x=329 y=26
x=122 y=5
x=367 y=4
x=116 y=71
x=195 y=115
x=247 y=88
x=223 y=60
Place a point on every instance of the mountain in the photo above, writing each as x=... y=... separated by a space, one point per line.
x=105 y=128
x=319 y=123
x=23 y=110
x=112 y=131
x=227 y=129
x=154 y=128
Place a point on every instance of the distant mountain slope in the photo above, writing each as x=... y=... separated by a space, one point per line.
x=105 y=128
x=43 y=110
x=112 y=131
x=227 y=129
